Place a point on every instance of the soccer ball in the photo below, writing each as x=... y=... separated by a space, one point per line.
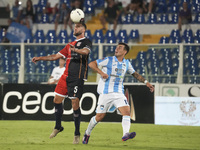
x=77 y=15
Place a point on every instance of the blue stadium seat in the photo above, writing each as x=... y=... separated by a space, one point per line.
x=164 y=40
x=110 y=36
x=175 y=33
x=51 y=36
x=196 y=6
x=152 y=19
x=187 y=33
x=99 y=3
x=72 y=37
x=176 y=40
x=122 y=36
x=188 y=39
x=161 y=6
x=88 y=34
x=174 y=8
x=134 y=34
x=39 y=36
x=197 y=18
x=2 y=34
x=128 y=19
x=44 y=18
x=89 y=6
x=63 y=36
x=174 y=19
x=140 y=19
x=98 y=36
x=164 y=19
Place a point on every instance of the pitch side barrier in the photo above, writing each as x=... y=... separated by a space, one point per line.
x=35 y=102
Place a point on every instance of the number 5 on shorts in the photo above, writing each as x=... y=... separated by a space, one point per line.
x=75 y=89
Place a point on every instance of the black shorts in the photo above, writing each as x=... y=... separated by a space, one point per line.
x=75 y=88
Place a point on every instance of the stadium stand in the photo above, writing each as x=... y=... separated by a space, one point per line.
x=160 y=64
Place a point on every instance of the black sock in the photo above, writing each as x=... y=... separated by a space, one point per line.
x=77 y=120
x=58 y=114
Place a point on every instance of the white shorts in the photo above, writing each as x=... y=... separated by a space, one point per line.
x=109 y=102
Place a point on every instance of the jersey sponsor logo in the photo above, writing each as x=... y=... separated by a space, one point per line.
x=78 y=44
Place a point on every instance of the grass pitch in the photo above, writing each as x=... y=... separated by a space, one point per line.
x=34 y=135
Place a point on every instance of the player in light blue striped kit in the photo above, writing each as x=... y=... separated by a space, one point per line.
x=111 y=89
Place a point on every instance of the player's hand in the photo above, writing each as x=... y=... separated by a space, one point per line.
x=104 y=76
x=150 y=87
x=35 y=59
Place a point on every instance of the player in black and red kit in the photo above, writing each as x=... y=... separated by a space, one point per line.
x=71 y=82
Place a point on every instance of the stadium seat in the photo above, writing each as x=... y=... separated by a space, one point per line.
x=196 y=6
x=2 y=34
x=127 y=19
x=110 y=36
x=51 y=36
x=122 y=36
x=140 y=19
x=89 y=7
x=187 y=33
x=134 y=34
x=175 y=33
x=174 y=8
x=44 y=18
x=161 y=6
x=98 y=36
x=164 y=40
x=88 y=34
x=176 y=40
x=163 y=19
x=197 y=18
x=39 y=36
x=99 y=3
x=188 y=39
x=72 y=37
x=152 y=19
x=62 y=36
x=174 y=19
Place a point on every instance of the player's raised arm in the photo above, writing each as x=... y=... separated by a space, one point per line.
x=93 y=66
x=47 y=58
x=141 y=79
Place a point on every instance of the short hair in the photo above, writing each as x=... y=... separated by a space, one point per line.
x=84 y=25
x=126 y=47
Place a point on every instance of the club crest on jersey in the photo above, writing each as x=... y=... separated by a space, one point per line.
x=101 y=107
x=78 y=44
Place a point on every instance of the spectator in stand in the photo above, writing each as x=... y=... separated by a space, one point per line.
x=185 y=16
x=57 y=72
x=148 y=6
x=63 y=17
x=132 y=8
x=17 y=12
x=29 y=15
x=110 y=15
x=77 y=4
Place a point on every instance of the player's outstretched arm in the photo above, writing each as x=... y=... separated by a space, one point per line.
x=83 y=51
x=93 y=66
x=141 y=79
x=47 y=58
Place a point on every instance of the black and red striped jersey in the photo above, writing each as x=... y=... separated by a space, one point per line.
x=76 y=64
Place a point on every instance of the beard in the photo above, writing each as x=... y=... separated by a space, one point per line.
x=77 y=34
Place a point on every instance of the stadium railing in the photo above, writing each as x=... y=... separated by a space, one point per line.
x=158 y=63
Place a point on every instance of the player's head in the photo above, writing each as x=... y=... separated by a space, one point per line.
x=79 y=29
x=121 y=50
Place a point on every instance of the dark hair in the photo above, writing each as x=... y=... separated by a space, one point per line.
x=126 y=47
x=83 y=24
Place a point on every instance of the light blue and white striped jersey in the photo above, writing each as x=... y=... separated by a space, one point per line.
x=116 y=71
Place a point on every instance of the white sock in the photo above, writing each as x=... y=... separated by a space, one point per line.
x=126 y=124
x=91 y=125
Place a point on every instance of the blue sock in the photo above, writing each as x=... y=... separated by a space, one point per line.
x=77 y=120
x=58 y=115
